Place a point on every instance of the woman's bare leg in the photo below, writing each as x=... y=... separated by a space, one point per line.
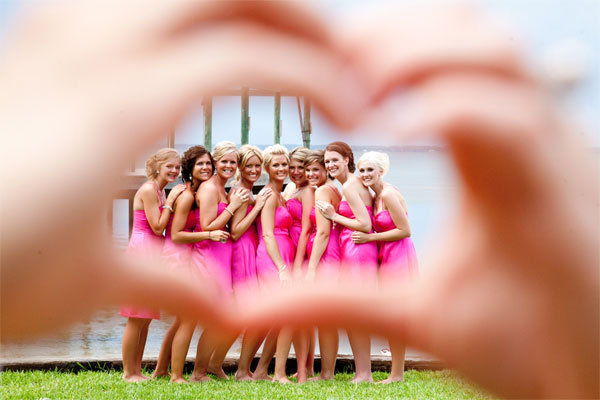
x=164 y=356
x=262 y=369
x=397 y=373
x=361 y=348
x=328 y=344
x=181 y=345
x=250 y=345
x=284 y=341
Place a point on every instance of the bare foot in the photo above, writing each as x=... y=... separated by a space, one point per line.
x=392 y=379
x=160 y=374
x=178 y=380
x=218 y=372
x=281 y=379
x=134 y=378
x=200 y=378
x=362 y=379
x=260 y=376
x=321 y=378
x=243 y=376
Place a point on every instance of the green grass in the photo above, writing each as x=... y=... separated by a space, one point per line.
x=109 y=385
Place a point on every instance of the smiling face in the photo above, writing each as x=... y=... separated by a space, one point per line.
x=226 y=165
x=203 y=168
x=169 y=170
x=335 y=164
x=252 y=170
x=297 y=174
x=278 y=168
x=316 y=174
x=369 y=173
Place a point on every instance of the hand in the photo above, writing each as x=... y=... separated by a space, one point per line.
x=284 y=276
x=310 y=275
x=238 y=197
x=174 y=193
x=360 y=237
x=261 y=198
x=326 y=209
x=219 y=236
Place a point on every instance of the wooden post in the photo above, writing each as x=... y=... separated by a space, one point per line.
x=245 y=115
x=171 y=139
x=277 y=131
x=306 y=126
x=207 y=110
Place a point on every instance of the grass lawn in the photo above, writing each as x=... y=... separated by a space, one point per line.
x=109 y=385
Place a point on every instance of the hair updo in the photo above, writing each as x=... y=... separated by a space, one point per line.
x=345 y=151
x=246 y=152
x=271 y=151
x=156 y=160
x=299 y=154
x=380 y=160
x=223 y=148
x=189 y=159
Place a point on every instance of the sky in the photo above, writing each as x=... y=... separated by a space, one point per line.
x=568 y=31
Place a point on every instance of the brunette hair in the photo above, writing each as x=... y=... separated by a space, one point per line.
x=156 y=160
x=189 y=159
x=315 y=156
x=345 y=151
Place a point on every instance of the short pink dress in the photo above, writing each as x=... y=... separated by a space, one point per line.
x=397 y=259
x=358 y=260
x=213 y=259
x=268 y=274
x=178 y=255
x=330 y=260
x=143 y=241
x=243 y=261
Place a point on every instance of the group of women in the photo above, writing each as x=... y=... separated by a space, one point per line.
x=242 y=244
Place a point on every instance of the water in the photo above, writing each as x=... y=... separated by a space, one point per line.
x=424 y=178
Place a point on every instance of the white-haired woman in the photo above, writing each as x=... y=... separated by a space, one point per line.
x=151 y=213
x=213 y=258
x=397 y=256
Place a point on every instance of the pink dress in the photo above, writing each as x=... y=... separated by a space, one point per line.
x=268 y=273
x=179 y=255
x=213 y=259
x=294 y=207
x=330 y=260
x=243 y=261
x=397 y=259
x=143 y=241
x=359 y=260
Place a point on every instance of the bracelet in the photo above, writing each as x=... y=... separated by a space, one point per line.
x=209 y=234
x=229 y=211
x=168 y=208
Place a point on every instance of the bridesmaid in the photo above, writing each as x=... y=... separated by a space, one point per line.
x=359 y=260
x=197 y=167
x=151 y=213
x=397 y=256
x=274 y=256
x=324 y=251
x=300 y=198
x=245 y=242
x=214 y=258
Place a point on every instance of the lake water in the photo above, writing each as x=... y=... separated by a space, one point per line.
x=424 y=178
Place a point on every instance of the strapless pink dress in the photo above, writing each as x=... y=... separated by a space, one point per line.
x=397 y=259
x=268 y=274
x=360 y=260
x=243 y=261
x=294 y=207
x=143 y=241
x=178 y=255
x=213 y=259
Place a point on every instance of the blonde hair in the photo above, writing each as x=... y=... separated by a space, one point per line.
x=156 y=160
x=223 y=148
x=315 y=156
x=274 y=150
x=299 y=154
x=246 y=152
x=380 y=160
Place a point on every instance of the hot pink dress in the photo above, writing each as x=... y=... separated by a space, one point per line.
x=143 y=241
x=268 y=273
x=294 y=207
x=330 y=260
x=243 y=261
x=178 y=255
x=213 y=259
x=397 y=259
x=359 y=260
